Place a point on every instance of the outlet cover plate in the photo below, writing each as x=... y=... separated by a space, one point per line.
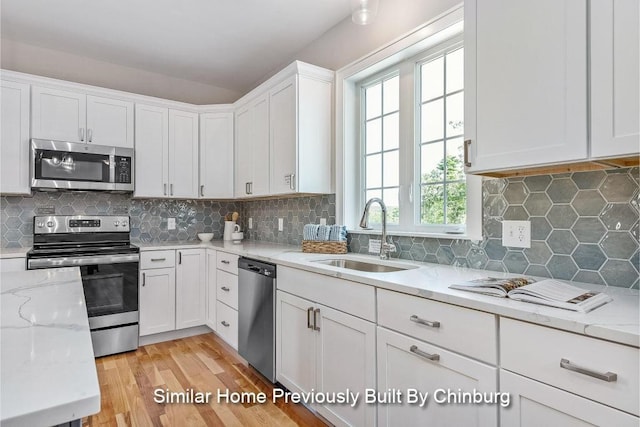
x=516 y=234
x=171 y=223
x=280 y=224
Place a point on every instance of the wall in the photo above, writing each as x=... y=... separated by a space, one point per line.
x=41 y=61
x=148 y=217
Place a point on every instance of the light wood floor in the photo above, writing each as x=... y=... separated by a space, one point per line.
x=202 y=363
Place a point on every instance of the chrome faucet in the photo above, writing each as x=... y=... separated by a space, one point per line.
x=385 y=247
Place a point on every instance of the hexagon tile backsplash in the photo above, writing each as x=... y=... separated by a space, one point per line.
x=584 y=225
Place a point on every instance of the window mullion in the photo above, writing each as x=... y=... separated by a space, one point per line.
x=407 y=151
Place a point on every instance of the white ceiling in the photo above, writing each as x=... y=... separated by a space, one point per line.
x=231 y=44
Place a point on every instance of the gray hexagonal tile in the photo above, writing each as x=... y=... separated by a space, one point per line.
x=461 y=247
x=494 y=249
x=562 y=190
x=495 y=266
x=515 y=213
x=619 y=273
x=515 y=262
x=537 y=204
x=562 y=216
x=477 y=258
x=588 y=257
x=589 y=277
x=492 y=228
x=618 y=188
x=537 y=270
x=538 y=182
x=588 y=203
x=494 y=185
x=445 y=255
x=588 y=180
x=562 y=267
x=619 y=244
x=540 y=228
x=430 y=245
x=588 y=230
x=538 y=253
x=618 y=216
x=515 y=193
x=417 y=252
x=561 y=242
x=635 y=260
x=494 y=205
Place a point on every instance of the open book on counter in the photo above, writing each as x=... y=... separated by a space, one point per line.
x=545 y=292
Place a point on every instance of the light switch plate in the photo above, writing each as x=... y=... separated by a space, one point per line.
x=516 y=234
x=250 y=223
x=171 y=223
x=374 y=246
x=280 y=224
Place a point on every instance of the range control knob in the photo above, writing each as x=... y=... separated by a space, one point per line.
x=116 y=223
x=40 y=224
x=50 y=224
x=124 y=223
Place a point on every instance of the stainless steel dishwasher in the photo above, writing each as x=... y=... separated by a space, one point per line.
x=256 y=315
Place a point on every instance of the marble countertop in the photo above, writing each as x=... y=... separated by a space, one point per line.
x=48 y=369
x=6 y=253
x=618 y=321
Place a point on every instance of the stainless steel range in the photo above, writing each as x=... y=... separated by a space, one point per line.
x=101 y=248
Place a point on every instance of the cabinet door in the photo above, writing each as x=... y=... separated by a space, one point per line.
x=183 y=154
x=260 y=148
x=535 y=404
x=284 y=136
x=525 y=82
x=157 y=301
x=243 y=153
x=152 y=148
x=58 y=114
x=615 y=87
x=13 y=264
x=403 y=365
x=216 y=155
x=190 y=288
x=14 y=138
x=109 y=122
x=346 y=361
x=211 y=289
x=295 y=343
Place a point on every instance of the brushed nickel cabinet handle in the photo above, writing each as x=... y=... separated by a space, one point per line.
x=179 y=257
x=224 y=288
x=224 y=261
x=430 y=323
x=467 y=143
x=202 y=190
x=607 y=376
x=415 y=350
x=158 y=259
x=81 y=133
x=315 y=319
x=246 y=188
x=171 y=187
x=144 y=279
x=225 y=324
x=309 y=311
x=292 y=183
x=165 y=189
x=89 y=135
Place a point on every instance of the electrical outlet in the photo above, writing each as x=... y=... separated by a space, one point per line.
x=250 y=223
x=171 y=223
x=323 y=221
x=516 y=234
x=374 y=246
x=280 y=224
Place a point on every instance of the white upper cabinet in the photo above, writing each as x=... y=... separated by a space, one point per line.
x=109 y=122
x=216 y=155
x=525 y=83
x=615 y=77
x=152 y=148
x=252 y=149
x=58 y=114
x=75 y=117
x=283 y=133
x=183 y=154
x=14 y=138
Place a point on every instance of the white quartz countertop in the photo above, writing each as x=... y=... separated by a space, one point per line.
x=7 y=253
x=617 y=321
x=48 y=372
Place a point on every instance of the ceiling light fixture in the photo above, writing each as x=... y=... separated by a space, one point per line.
x=363 y=11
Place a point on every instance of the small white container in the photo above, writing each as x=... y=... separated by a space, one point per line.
x=205 y=237
x=237 y=236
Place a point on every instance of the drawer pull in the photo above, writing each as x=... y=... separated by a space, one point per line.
x=415 y=350
x=224 y=288
x=315 y=319
x=607 y=376
x=224 y=261
x=309 y=311
x=429 y=323
x=225 y=324
x=158 y=259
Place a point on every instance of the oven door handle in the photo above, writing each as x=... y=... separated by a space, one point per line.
x=78 y=261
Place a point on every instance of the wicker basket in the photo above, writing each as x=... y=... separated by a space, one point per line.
x=324 y=247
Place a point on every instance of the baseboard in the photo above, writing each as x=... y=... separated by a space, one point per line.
x=174 y=335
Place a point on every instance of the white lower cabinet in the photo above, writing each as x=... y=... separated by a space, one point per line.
x=325 y=350
x=227 y=326
x=225 y=297
x=12 y=264
x=157 y=301
x=190 y=288
x=535 y=404
x=414 y=368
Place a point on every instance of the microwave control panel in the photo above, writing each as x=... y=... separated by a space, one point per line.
x=123 y=170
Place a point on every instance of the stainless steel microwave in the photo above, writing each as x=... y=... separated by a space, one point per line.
x=61 y=165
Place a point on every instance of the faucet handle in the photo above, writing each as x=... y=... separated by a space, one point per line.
x=390 y=247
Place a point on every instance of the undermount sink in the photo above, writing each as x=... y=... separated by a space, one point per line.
x=364 y=266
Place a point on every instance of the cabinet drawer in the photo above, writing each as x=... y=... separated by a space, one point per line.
x=537 y=351
x=157 y=259
x=227 y=326
x=467 y=331
x=227 y=262
x=227 y=288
